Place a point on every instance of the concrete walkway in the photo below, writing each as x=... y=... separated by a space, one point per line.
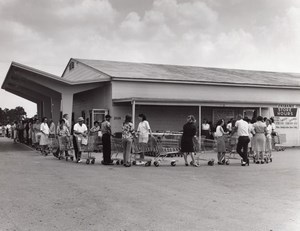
x=43 y=193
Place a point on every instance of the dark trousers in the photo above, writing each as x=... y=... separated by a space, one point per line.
x=77 y=152
x=106 y=148
x=21 y=136
x=242 y=147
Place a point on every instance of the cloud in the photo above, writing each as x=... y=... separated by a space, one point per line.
x=256 y=34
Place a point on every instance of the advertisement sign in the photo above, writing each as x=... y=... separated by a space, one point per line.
x=285 y=116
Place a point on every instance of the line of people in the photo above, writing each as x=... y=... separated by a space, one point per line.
x=40 y=134
x=254 y=136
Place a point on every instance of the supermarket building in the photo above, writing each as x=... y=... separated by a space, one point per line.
x=165 y=93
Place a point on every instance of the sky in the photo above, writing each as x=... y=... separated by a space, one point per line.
x=243 y=34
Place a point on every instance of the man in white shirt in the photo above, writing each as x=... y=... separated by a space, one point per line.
x=242 y=128
x=80 y=132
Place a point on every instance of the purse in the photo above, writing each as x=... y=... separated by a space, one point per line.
x=84 y=141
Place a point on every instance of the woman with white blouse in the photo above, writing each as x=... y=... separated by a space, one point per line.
x=44 y=141
x=219 y=135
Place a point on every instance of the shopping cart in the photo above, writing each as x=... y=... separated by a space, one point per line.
x=117 y=150
x=138 y=148
x=278 y=140
x=230 y=144
x=204 y=149
x=66 y=148
x=87 y=145
x=53 y=145
x=166 y=148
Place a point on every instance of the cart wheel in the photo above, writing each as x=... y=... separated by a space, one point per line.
x=87 y=161
x=117 y=162
x=93 y=161
x=134 y=162
x=227 y=162
x=173 y=163
x=156 y=164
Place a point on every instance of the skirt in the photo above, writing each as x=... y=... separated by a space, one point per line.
x=187 y=144
x=44 y=139
x=268 y=143
x=221 y=144
x=143 y=138
x=260 y=142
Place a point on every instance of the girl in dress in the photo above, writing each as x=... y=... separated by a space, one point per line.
x=221 y=149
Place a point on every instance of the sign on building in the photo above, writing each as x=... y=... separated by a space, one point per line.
x=286 y=116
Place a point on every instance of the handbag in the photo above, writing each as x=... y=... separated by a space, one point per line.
x=84 y=141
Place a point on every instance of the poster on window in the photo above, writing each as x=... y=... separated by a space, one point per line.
x=285 y=116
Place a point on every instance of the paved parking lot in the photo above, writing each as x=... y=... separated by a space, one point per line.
x=43 y=193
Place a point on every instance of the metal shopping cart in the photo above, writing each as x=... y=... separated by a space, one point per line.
x=117 y=150
x=278 y=140
x=66 y=149
x=165 y=150
x=138 y=148
x=87 y=145
x=204 y=148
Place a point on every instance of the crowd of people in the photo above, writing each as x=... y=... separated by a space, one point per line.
x=245 y=136
x=39 y=134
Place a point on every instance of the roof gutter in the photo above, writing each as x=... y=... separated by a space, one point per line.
x=204 y=83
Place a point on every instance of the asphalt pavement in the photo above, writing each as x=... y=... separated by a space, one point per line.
x=43 y=193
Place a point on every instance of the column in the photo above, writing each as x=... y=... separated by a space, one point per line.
x=55 y=109
x=200 y=122
x=133 y=112
x=67 y=104
x=39 y=109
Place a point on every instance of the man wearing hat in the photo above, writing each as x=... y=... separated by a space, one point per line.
x=80 y=132
x=106 y=134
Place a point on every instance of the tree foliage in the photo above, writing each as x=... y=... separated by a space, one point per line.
x=10 y=115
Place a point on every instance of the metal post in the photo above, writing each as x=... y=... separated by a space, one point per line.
x=199 y=121
x=133 y=112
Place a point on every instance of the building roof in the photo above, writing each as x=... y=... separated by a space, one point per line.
x=175 y=73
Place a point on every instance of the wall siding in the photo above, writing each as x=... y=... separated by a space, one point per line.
x=189 y=92
x=99 y=98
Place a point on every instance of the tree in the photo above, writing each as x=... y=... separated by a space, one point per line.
x=10 y=115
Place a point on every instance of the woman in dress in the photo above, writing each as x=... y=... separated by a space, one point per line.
x=269 y=137
x=64 y=134
x=143 y=133
x=127 y=137
x=221 y=149
x=187 y=144
x=44 y=141
x=37 y=133
x=260 y=139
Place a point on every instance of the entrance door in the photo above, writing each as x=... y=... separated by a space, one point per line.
x=98 y=115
